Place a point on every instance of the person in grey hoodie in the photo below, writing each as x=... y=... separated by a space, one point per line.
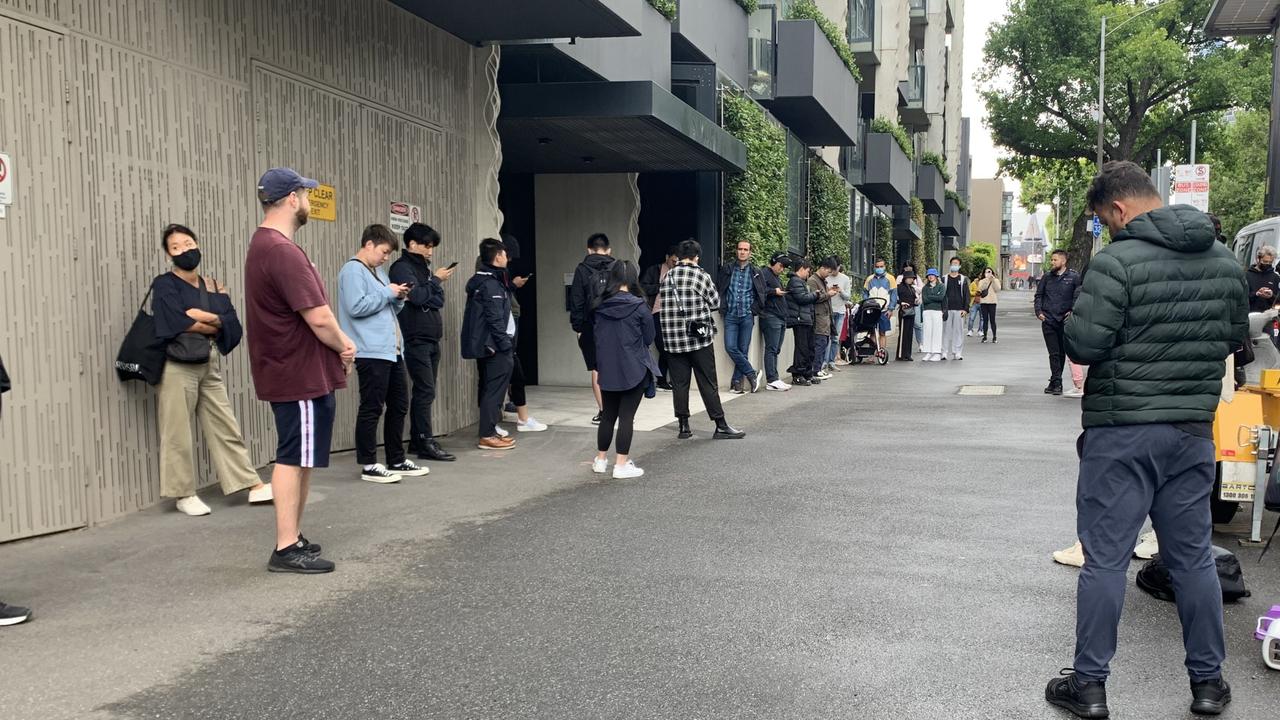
x=368 y=303
x=623 y=333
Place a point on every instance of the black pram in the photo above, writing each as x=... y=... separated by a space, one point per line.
x=863 y=341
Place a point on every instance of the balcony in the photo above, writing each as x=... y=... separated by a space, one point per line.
x=951 y=224
x=931 y=189
x=887 y=176
x=905 y=227
x=713 y=31
x=919 y=10
x=912 y=98
x=862 y=32
x=478 y=21
x=853 y=161
x=815 y=96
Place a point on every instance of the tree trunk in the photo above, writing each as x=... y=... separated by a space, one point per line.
x=1081 y=247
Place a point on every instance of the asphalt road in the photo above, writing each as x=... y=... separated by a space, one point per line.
x=878 y=547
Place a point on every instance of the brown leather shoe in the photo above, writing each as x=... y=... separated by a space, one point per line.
x=496 y=443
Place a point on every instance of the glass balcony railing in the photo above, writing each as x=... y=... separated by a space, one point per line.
x=919 y=6
x=862 y=18
x=762 y=56
x=914 y=87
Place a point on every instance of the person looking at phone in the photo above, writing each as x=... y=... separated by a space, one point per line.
x=421 y=327
x=368 y=303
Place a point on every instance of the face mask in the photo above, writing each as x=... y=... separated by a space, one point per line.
x=955 y=268
x=879 y=271
x=188 y=260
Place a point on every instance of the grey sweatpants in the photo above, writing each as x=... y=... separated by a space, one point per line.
x=1127 y=473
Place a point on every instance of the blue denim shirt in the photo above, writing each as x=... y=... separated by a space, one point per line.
x=739 y=301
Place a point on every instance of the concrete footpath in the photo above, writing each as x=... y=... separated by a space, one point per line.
x=878 y=547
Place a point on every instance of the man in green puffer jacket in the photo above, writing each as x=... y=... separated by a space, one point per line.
x=1162 y=307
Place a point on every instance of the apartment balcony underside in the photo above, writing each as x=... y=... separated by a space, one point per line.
x=510 y=20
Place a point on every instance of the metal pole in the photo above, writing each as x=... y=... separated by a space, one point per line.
x=1102 y=79
x=1265 y=441
x=1193 y=142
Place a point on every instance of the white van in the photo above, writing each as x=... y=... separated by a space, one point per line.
x=1251 y=237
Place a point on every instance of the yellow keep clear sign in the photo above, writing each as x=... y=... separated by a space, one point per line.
x=324 y=203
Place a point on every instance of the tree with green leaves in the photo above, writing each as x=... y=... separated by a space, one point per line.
x=1239 y=175
x=1040 y=83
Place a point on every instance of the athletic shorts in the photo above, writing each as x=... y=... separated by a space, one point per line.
x=587 y=344
x=305 y=428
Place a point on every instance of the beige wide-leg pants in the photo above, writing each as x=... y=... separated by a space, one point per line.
x=197 y=391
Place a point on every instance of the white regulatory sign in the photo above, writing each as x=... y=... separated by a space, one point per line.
x=6 y=180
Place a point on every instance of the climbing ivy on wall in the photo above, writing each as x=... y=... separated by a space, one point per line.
x=755 y=205
x=884 y=239
x=666 y=7
x=931 y=246
x=828 y=214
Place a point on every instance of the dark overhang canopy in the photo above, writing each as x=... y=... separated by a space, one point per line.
x=610 y=127
x=509 y=20
x=1229 y=18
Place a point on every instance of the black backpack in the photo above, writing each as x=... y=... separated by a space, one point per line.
x=597 y=284
x=1155 y=580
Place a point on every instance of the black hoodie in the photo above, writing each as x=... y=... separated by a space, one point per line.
x=487 y=319
x=580 y=292
x=420 y=319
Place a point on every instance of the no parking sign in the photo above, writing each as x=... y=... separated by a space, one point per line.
x=6 y=180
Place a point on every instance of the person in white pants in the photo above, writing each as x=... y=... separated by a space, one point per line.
x=932 y=297
x=955 y=306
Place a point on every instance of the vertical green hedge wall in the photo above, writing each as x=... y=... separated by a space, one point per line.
x=756 y=201
x=828 y=213
x=884 y=239
x=931 y=244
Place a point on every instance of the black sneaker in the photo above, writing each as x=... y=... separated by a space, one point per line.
x=1085 y=699
x=12 y=614
x=308 y=546
x=1049 y=389
x=663 y=384
x=1210 y=697
x=510 y=407
x=596 y=420
x=297 y=560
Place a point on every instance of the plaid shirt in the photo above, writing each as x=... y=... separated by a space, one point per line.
x=686 y=288
x=740 y=293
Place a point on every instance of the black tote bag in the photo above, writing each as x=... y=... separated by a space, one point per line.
x=142 y=354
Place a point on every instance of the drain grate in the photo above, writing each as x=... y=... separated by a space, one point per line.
x=981 y=390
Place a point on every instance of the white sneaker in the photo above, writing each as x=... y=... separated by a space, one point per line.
x=530 y=425
x=823 y=375
x=261 y=495
x=497 y=429
x=969 y=334
x=625 y=472
x=378 y=473
x=1073 y=392
x=600 y=466
x=779 y=386
x=1072 y=556
x=1147 y=546
x=193 y=506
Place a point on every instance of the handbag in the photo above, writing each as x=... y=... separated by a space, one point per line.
x=142 y=354
x=192 y=348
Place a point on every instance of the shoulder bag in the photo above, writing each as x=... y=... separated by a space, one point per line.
x=142 y=354
x=191 y=348
x=696 y=329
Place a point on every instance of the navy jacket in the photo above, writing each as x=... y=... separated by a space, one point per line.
x=487 y=325
x=758 y=289
x=623 y=332
x=420 y=318
x=774 y=304
x=1056 y=294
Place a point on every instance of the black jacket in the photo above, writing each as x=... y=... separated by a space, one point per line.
x=800 y=302
x=420 y=319
x=1056 y=294
x=775 y=305
x=1258 y=279
x=725 y=276
x=651 y=283
x=957 y=296
x=579 y=293
x=623 y=333
x=487 y=316
x=1163 y=305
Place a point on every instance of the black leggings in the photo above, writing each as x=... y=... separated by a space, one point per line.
x=619 y=406
x=988 y=318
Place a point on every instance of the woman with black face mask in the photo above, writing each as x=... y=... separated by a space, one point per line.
x=194 y=315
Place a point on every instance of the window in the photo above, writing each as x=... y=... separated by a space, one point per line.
x=862 y=18
x=797 y=194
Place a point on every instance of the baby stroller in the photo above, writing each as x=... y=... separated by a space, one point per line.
x=863 y=342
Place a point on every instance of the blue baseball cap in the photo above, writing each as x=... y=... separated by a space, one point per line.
x=931 y=271
x=278 y=182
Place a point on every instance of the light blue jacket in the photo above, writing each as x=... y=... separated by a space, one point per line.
x=367 y=310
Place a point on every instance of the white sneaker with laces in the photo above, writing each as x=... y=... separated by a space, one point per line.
x=624 y=472
x=497 y=429
x=1073 y=392
x=779 y=386
x=261 y=495
x=600 y=466
x=378 y=473
x=409 y=468
x=823 y=375
x=1072 y=556
x=530 y=425
x=1147 y=546
x=193 y=506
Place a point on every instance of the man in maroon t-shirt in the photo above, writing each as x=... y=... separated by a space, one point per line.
x=298 y=356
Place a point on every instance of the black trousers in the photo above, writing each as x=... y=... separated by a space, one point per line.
x=495 y=377
x=1055 y=340
x=517 y=394
x=382 y=384
x=423 y=359
x=988 y=318
x=906 y=335
x=802 y=355
x=664 y=360
x=619 y=407
x=701 y=364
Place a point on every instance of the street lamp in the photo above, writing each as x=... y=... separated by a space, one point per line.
x=1102 y=71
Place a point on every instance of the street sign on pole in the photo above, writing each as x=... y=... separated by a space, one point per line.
x=1097 y=227
x=1191 y=186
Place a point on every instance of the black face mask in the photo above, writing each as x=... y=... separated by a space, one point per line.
x=188 y=260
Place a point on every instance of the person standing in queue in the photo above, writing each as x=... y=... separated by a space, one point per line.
x=651 y=280
x=932 y=299
x=488 y=337
x=773 y=321
x=623 y=332
x=589 y=281
x=422 y=327
x=987 y=296
x=801 y=301
x=907 y=301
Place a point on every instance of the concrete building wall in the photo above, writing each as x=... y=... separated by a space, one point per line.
x=893 y=47
x=130 y=114
x=985 y=205
x=957 y=80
